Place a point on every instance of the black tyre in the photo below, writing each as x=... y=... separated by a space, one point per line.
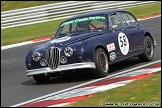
x=101 y=62
x=41 y=78
x=148 y=50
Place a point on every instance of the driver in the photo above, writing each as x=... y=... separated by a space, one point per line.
x=82 y=26
x=112 y=19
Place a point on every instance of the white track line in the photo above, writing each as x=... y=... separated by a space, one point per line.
x=109 y=76
x=21 y=44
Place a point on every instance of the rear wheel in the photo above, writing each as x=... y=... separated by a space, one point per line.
x=101 y=62
x=148 y=49
x=41 y=78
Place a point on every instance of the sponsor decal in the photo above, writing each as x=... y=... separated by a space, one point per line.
x=83 y=19
x=60 y=39
x=112 y=56
x=111 y=47
x=123 y=43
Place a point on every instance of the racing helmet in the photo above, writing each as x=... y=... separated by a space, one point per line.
x=82 y=26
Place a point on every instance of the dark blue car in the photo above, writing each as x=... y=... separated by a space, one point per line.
x=91 y=41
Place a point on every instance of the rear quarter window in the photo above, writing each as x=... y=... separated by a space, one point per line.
x=132 y=19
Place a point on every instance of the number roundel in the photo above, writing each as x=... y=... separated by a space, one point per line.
x=123 y=43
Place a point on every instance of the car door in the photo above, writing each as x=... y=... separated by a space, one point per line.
x=121 y=38
x=132 y=27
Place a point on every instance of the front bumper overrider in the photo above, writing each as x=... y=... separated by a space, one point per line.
x=84 y=65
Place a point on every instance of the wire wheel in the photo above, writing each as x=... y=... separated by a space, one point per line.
x=101 y=62
x=148 y=51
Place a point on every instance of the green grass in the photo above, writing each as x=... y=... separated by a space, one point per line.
x=147 y=10
x=143 y=90
x=11 y=5
x=28 y=32
x=34 y=31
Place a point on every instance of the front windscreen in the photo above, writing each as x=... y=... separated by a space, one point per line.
x=85 y=24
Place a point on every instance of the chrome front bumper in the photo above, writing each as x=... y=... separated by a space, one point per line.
x=74 y=66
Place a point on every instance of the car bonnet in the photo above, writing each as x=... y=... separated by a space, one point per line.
x=69 y=39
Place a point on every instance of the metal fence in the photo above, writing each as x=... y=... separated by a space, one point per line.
x=61 y=10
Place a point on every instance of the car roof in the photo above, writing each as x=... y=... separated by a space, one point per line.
x=100 y=12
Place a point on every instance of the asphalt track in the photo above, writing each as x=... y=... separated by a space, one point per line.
x=16 y=87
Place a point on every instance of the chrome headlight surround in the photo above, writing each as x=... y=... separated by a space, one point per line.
x=36 y=56
x=68 y=51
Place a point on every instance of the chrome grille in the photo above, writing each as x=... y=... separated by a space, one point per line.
x=53 y=57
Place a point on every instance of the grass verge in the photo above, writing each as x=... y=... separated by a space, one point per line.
x=34 y=31
x=147 y=90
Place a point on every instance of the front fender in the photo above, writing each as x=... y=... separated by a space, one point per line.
x=89 y=47
x=83 y=50
x=28 y=59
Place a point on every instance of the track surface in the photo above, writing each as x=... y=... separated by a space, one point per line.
x=16 y=87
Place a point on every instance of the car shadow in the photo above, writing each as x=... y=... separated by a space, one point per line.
x=83 y=77
x=69 y=78
x=126 y=64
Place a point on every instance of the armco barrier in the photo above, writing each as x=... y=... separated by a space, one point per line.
x=57 y=11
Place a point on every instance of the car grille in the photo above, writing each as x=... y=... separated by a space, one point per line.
x=53 y=57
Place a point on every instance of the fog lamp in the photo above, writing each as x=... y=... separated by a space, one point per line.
x=63 y=60
x=43 y=62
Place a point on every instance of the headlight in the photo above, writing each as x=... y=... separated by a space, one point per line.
x=36 y=56
x=68 y=51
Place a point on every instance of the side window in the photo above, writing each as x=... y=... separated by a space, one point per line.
x=96 y=24
x=65 y=29
x=114 y=21
x=74 y=27
x=125 y=20
x=132 y=19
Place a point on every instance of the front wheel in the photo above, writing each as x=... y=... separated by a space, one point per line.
x=148 y=50
x=41 y=78
x=101 y=62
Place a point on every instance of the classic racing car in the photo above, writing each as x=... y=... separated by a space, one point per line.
x=91 y=41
